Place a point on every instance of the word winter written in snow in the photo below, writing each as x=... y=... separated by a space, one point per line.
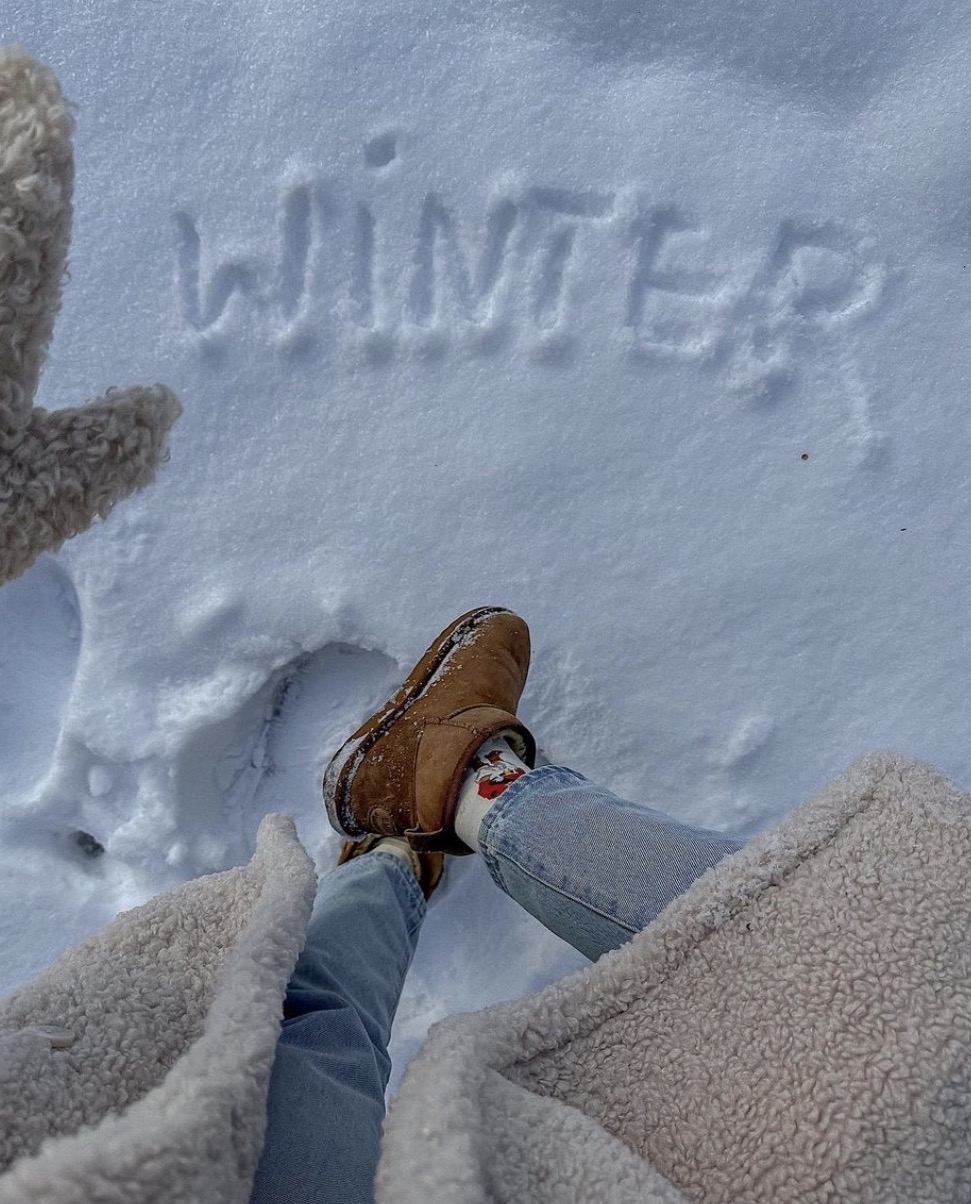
x=541 y=257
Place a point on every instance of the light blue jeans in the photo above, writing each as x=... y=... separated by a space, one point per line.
x=592 y=867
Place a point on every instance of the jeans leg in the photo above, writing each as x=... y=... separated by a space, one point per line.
x=590 y=866
x=326 y=1100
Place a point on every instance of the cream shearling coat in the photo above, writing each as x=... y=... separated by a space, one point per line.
x=796 y=1027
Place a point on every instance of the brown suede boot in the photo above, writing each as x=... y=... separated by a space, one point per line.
x=399 y=774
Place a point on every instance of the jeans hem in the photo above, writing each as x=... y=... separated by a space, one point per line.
x=414 y=903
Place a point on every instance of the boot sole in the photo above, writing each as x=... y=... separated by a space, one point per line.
x=339 y=777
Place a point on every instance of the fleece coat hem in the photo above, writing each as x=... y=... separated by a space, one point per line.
x=153 y=1085
x=795 y=1027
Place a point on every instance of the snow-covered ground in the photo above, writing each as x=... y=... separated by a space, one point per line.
x=648 y=321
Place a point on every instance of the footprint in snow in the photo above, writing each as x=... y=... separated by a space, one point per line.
x=40 y=639
x=289 y=731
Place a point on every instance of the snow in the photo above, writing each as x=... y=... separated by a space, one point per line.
x=647 y=321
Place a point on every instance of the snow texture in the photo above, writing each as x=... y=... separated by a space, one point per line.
x=648 y=322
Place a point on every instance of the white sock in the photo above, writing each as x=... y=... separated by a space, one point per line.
x=400 y=848
x=494 y=767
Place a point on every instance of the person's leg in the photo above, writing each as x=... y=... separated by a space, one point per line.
x=592 y=867
x=326 y=1100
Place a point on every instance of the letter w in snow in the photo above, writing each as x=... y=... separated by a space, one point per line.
x=280 y=289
